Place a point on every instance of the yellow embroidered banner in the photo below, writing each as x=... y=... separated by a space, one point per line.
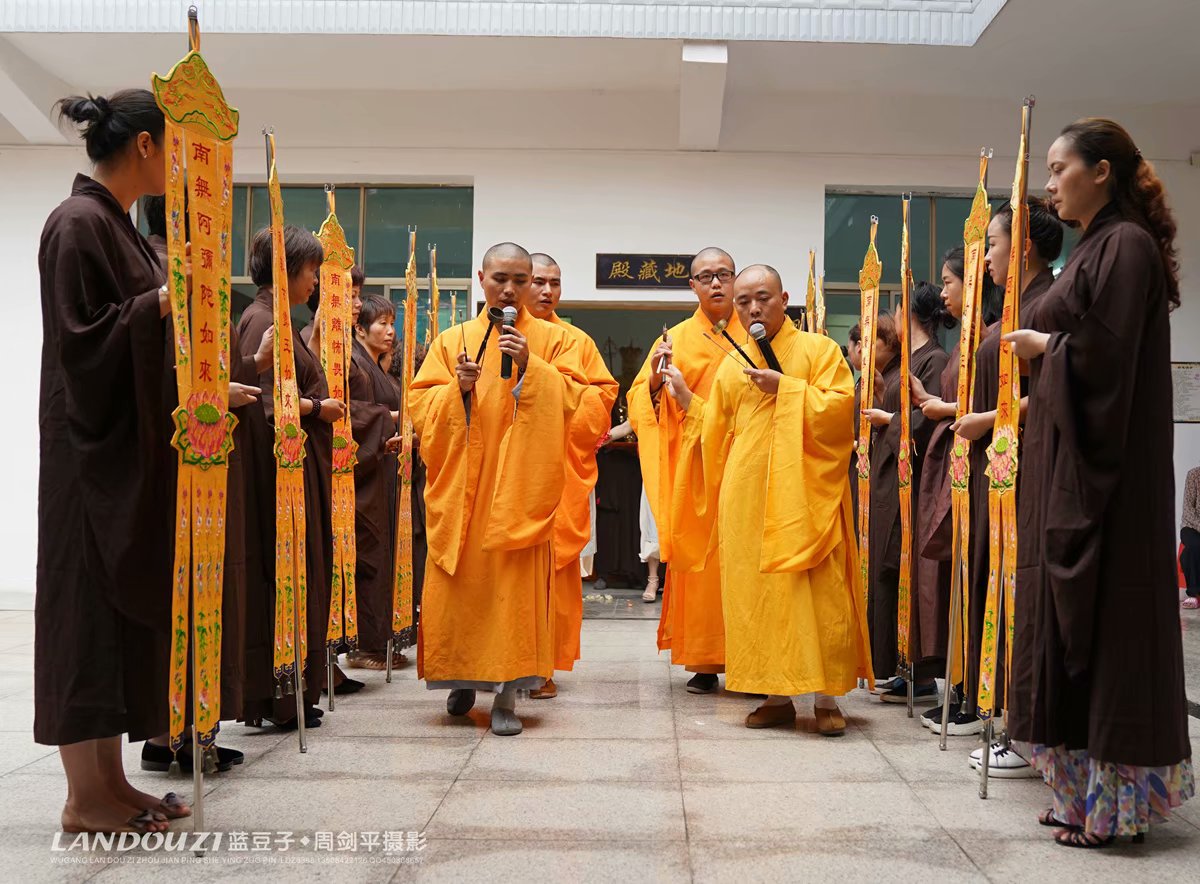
x=810 y=298
x=1002 y=453
x=868 y=284
x=974 y=246
x=904 y=454
x=434 y=297
x=336 y=314
x=403 y=632
x=821 y=304
x=291 y=584
x=200 y=128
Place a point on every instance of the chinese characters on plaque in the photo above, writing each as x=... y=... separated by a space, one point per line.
x=622 y=271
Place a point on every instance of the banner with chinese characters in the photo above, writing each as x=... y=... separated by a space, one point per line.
x=1002 y=453
x=200 y=128
x=404 y=633
x=904 y=454
x=868 y=285
x=810 y=295
x=336 y=312
x=435 y=298
x=291 y=583
x=974 y=246
x=621 y=271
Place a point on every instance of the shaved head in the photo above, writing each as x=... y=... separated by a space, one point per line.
x=506 y=251
x=543 y=260
x=712 y=252
x=756 y=270
x=546 y=289
x=758 y=296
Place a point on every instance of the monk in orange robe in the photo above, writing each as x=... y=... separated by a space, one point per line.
x=764 y=459
x=691 y=625
x=493 y=450
x=589 y=423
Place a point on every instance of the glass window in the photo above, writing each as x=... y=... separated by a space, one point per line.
x=848 y=231
x=306 y=207
x=442 y=215
x=446 y=298
x=952 y=214
x=238 y=264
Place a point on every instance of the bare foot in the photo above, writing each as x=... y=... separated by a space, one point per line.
x=161 y=807
x=111 y=816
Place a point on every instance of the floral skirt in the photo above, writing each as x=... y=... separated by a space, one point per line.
x=1111 y=799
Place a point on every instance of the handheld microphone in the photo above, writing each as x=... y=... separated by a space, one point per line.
x=508 y=320
x=758 y=331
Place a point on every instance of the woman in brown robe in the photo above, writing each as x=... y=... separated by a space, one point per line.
x=317 y=412
x=926 y=364
x=105 y=525
x=1046 y=241
x=374 y=411
x=1097 y=658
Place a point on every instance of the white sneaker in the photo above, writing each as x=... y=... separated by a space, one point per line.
x=1004 y=763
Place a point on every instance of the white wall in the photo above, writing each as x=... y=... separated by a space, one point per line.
x=572 y=204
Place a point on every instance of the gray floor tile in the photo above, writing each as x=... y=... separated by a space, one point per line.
x=519 y=862
x=790 y=812
x=597 y=811
x=808 y=758
x=579 y=760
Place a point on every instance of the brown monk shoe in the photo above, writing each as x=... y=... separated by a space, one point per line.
x=830 y=722
x=548 y=691
x=772 y=716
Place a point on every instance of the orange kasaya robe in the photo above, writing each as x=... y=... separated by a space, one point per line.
x=494 y=479
x=573 y=523
x=691 y=625
x=770 y=471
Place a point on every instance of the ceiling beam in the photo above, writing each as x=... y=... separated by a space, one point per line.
x=27 y=95
x=702 y=95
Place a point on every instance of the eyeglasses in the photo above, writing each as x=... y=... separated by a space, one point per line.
x=705 y=277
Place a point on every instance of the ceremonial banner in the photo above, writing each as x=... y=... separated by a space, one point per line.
x=821 y=304
x=904 y=456
x=868 y=284
x=1002 y=453
x=291 y=585
x=200 y=128
x=336 y=319
x=974 y=246
x=434 y=298
x=403 y=633
x=810 y=299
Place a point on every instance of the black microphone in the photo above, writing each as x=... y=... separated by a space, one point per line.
x=508 y=320
x=759 y=332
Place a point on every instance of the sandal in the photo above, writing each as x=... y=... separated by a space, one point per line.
x=1191 y=603
x=172 y=807
x=1084 y=840
x=1047 y=818
x=144 y=823
x=651 y=593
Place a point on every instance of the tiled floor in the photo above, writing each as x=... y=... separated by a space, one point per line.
x=625 y=776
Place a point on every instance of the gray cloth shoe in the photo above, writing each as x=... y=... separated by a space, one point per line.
x=460 y=701
x=505 y=723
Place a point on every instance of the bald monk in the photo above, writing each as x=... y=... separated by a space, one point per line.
x=691 y=625
x=764 y=456
x=573 y=523
x=493 y=450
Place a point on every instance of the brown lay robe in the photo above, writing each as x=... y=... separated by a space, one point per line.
x=1098 y=659
x=259 y=699
x=933 y=533
x=105 y=503
x=372 y=399
x=926 y=364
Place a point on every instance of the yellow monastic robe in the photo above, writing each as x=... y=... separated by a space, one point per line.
x=494 y=479
x=771 y=470
x=573 y=522
x=691 y=625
